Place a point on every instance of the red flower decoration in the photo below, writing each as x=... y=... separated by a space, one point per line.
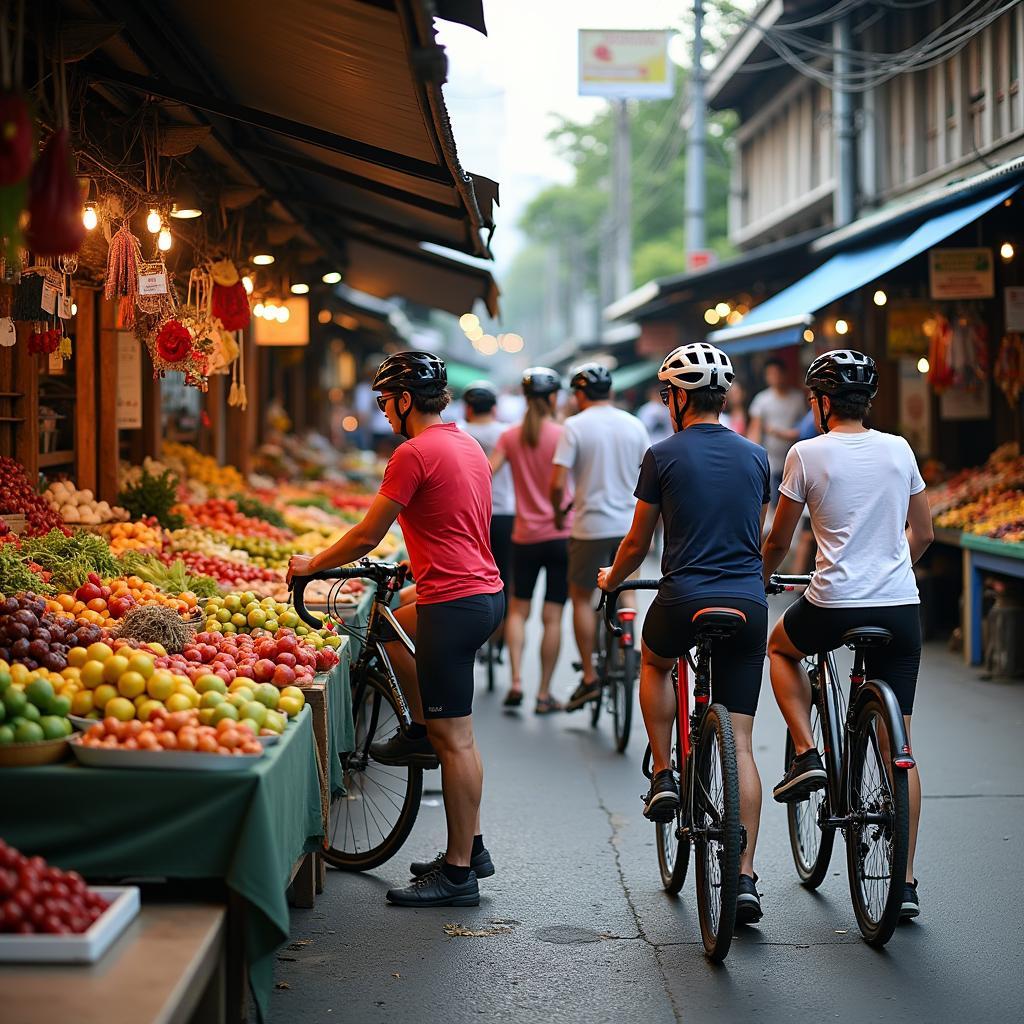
x=173 y=343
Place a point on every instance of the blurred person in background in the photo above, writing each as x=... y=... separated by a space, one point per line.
x=538 y=541
x=654 y=416
x=774 y=417
x=735 y=415
x=480 y=400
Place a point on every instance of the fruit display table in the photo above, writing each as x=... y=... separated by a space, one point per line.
x=246 y=828
x=341 y=737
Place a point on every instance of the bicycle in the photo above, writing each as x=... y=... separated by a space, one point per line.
x=371 y=820
x=703 y=758
x=866 y=796
x=618 y=666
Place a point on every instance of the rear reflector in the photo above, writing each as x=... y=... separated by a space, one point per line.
x=627 y=614
x=905 y=762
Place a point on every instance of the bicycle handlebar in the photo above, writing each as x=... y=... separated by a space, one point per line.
x=779 y=584
x=378 y=572
x=610 y=598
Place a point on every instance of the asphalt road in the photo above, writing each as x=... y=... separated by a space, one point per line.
x=582 y=930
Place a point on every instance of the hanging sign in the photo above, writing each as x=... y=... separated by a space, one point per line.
x=915 y=407
x=625 y=64
x=64 y=310
x=961 y=274
x=153 y=284
x=48 y=302
x=1014 y=298
x=908 y=326
x=129 y=382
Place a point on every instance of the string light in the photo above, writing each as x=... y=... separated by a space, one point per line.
x=283 y=314
x=808 y=335
x=842 y=327
x=331 y=277
x=512 y=343
x=164 y=240
x=923 y=366
x=723 y=309
x=487 y=344
x=468 y=321
x=270 y=311
x=89 y=217
x=1007 y=252
x=880 y=298
x=711 y=317
x=247 y=284
x=74 y=309
x=300 y=288
x=263 y=259
x=475 y=333
x=153 y=222
x=258 y=309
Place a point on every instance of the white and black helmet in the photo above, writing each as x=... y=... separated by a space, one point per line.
x=696 y=366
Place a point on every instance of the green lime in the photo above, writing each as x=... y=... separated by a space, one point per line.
x=15 y=701
x=5 y=680
x=3 y=711
x=40 y=692
x=31 y=713
x=60 y=706
x=28 y=732
x=6 y=735
x=53 y=727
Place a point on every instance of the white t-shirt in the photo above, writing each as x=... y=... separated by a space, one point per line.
x=781 y=412
x=858 y=488
x=603 y=447
x=503 y=497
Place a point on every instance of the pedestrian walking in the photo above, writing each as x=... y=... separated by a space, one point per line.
x=774 y=417
x=539 y=541
x=438 y=486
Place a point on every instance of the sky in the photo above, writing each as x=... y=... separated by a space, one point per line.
x=503 y=88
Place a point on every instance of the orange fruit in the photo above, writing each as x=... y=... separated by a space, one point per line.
x=77 y=657
x=102 y=694
x=114 y=667
x=120 y=708
x=178 y=702
x=147 y=708
x=92 y=674
x=82 y=703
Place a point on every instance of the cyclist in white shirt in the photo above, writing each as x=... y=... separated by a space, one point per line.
x=602 y=447
x=871 y=522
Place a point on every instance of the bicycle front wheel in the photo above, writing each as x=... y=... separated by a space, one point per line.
x=716 y=828
x=673 y=852
x=623 y=664
x=371 y=820
x=878 y=838
x=811 y=845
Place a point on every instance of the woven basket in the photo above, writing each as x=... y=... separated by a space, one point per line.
x=181 y=139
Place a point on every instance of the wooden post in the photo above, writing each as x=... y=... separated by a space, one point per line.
x=84 y=362
x=26 y=383
x=106 y=411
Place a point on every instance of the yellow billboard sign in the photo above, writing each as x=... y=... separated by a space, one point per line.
x=624 y=64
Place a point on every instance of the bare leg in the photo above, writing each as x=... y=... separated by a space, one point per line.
x=658 y=704
x=461 y=783
x=583 y=626
x=515 y=631
x=750 y=787
x=550 y=644
x=792 y=687
x=914 y=787
x=404 y=664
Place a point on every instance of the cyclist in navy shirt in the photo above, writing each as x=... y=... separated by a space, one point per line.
x=711 y=488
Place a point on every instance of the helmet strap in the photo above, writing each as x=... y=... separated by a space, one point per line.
x=403 y=417
x=824 y=416
x=680 y=410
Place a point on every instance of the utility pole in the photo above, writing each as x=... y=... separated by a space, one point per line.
x=844 y=205
x=622 y=201
x=696 y=238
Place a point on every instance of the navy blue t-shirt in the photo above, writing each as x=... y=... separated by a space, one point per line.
x=711 y=484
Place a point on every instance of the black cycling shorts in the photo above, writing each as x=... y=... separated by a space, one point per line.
x=527 y=561
x=501 y=548
x=448 y=635
x=812 y=628
x=737 y=664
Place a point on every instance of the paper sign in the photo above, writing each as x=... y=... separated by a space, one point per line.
x=55 y=363
x=908 y=324
x=64 y=307
x=1014 y=308
x=153 y=284
x=625 y=63
x=49 y=299
x=961 y=273
x=129 y=382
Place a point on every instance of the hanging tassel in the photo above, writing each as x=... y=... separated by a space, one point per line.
x=233 y=392
x=243 y=397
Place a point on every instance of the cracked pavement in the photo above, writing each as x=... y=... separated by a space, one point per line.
x=582 y=931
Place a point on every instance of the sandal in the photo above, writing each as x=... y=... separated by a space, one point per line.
x=547 y=706
x=513 y=699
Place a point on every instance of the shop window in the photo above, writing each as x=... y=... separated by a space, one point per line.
x=976 y=92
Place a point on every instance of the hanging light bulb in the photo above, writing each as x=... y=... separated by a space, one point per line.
x=247 y=284
x=153 y=221
x=880 y=298
x=164 y=240
x=923 y=366
x=283 y=314
x=89 y=217
x=74 y=309
x=258 y=309
x=300 y=289
x=331 y=277
x=263 y=259
x=270 y=311
x=842 y=327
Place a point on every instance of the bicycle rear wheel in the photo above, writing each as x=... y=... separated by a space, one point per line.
x=877 y=841
x=811 y=845
x=622 y=667
x=716 y=825
x=673 y=853
x=371 y=820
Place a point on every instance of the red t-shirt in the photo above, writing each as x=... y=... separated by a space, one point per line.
x=444 y=481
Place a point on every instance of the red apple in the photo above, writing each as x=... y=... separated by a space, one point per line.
x=263 y=670
x=284 y=676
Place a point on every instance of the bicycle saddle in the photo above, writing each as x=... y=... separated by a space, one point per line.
x=718 y=623
x=866 y=636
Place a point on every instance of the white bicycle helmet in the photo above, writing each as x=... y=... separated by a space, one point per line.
x=696 y=366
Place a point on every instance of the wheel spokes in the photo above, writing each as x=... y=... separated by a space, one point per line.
x=872 y=804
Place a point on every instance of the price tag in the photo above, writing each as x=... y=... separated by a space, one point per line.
x=64 y=307
x=55 y=363
x=153 y=284
x=49 y=299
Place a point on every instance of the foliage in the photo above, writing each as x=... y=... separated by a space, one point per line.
x=255 y=509
x=70 y=559
x=152 y=495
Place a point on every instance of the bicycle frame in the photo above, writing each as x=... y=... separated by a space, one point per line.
x=687 y=734
x=381 y=619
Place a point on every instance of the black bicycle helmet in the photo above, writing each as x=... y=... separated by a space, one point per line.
x=539 y=381
x=841 y=371
x=420 y=373
x=593 y=379
x=480 y=395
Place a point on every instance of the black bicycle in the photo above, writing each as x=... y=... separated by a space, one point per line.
x=867 y=756
x=703 y=759
x=371 y=820
x=617 y=665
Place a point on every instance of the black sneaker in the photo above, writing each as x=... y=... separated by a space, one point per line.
x=748 y=903
x=437 y=890
x=584 y=694
x=402 y=751
x=481 y=863
x=805 y=775
x=911 y=904
x=662 y=802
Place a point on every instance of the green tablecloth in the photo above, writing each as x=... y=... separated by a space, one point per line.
x=247 y=827
x=341 y=732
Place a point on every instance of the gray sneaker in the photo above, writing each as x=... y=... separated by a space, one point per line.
x=437 y=890
x=400 y=751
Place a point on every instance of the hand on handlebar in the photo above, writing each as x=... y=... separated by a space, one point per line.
x=602 y=577
x=299 y=565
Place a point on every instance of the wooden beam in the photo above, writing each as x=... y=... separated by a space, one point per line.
x=26 y=381
x=84 y=364
x=107 y=440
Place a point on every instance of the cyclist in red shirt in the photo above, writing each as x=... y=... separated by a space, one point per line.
x=438 y=486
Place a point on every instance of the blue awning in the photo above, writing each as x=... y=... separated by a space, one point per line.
x=782 y=319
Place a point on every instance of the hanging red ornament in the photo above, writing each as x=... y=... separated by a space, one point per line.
x=230 y=305
x=15 y=139
x=54 y=201
x=173 y=343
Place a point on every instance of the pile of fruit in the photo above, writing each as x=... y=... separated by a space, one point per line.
x=81 y=507
x=18 y=497
x=36 y=899
x=35 y=637
x=988 y=500
x=138 y=536
x=180 y=730
x=228 y=573
x=222 y=516
x=195 y=468
x=31 y=710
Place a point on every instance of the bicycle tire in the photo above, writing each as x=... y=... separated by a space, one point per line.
x=673 y=852
x=376 y=717
x=716 y=797
x=810 y=845
x=876 y=888
x=622 y=694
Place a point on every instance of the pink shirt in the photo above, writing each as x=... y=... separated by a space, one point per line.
x=531 y=475
x=442 y=479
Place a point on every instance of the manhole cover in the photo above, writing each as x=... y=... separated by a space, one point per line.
x=566 y=935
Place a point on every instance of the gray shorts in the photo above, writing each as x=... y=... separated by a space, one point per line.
x=587 y=556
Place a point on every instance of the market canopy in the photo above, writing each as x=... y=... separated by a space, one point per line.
x=335 y=108
x=626 y=377
x=782 y=319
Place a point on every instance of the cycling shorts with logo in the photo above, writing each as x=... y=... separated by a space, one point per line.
x=737 y=664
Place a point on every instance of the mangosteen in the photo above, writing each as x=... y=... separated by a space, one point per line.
x=19 y=649
x=5 y=654
x=54 y=662
x=26 y=617
x=10 y=606
x=16 y=630
x=38 y=649
x=42 y=633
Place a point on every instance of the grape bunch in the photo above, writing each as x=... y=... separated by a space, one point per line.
x=36 y=638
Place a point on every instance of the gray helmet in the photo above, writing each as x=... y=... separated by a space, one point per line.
x=593 y=379
x=842 y=371
x=539 y=381
x=480 y=395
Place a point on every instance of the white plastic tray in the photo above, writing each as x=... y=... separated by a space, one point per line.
x=160 y=760
x=82 y=724
x=86 y=948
